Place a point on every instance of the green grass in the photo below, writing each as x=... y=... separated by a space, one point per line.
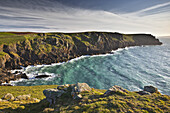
x=128 y=38
x=7 y=38
x=92 y=102
x=2 y=54
x=35 y=91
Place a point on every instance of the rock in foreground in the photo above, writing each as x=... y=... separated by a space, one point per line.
x=115 y=100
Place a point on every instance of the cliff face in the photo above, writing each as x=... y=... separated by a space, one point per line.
x=45 y=48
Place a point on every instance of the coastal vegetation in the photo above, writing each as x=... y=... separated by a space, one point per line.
x=24 y=48
x=91 y=101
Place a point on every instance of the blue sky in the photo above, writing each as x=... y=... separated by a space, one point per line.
x=125 y=16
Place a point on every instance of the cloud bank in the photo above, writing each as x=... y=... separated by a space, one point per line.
x=55 y=16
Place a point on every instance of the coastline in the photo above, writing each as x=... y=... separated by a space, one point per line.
x=64 y=47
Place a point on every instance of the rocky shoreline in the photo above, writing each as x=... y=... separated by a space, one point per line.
x=47 y=48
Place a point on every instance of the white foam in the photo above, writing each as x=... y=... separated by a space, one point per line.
x=26 y=69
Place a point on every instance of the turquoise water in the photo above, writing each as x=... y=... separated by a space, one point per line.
x=132 y=68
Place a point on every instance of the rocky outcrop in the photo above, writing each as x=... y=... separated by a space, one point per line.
x=151 y=89
x=79 y=88
x=22 y=97
x=52 y=94
x=73 y=90
x=115 y=89
x=46 y=48
x=148 y=90
x=6 y=76
x=76 y=92
x=10 y=97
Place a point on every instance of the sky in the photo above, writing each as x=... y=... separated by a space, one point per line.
x=124 y=16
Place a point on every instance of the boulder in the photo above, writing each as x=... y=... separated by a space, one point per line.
x=8 y=97
x=115 y=89
x=81 y=87
x=22 y=97
x=151 y=89
x=52 y=94
x=43 y=76
x=78 y=88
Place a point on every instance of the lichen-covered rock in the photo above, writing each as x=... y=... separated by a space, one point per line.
x=23 y=97
x=115 y=89
x=78 y=88
x=81 y=87
x=52 y=94
x=151 y=89
x=8 y=97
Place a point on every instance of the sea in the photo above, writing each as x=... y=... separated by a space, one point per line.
x=131 y=68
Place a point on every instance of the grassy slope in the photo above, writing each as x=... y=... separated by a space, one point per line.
x=93 y=101
x=7 y=38
x=35 y=91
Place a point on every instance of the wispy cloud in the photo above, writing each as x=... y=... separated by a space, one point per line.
x=67 y=19
x=151 y=8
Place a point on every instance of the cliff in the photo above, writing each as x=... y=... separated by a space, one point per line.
x=23 y=49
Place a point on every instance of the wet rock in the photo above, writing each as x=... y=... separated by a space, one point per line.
x=6 y=77
x=143 y=93
x=43 y=76
x=8 y=97
x=16 y=72
x=52 y=94
x=24 y=76
x=115 y=89
x=6 y=85
x=22 y=97
x=151 y=89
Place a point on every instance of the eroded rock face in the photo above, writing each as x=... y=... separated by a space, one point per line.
x=115 y=89
x=59 y=47
x=6 y=77
x=52 y=94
